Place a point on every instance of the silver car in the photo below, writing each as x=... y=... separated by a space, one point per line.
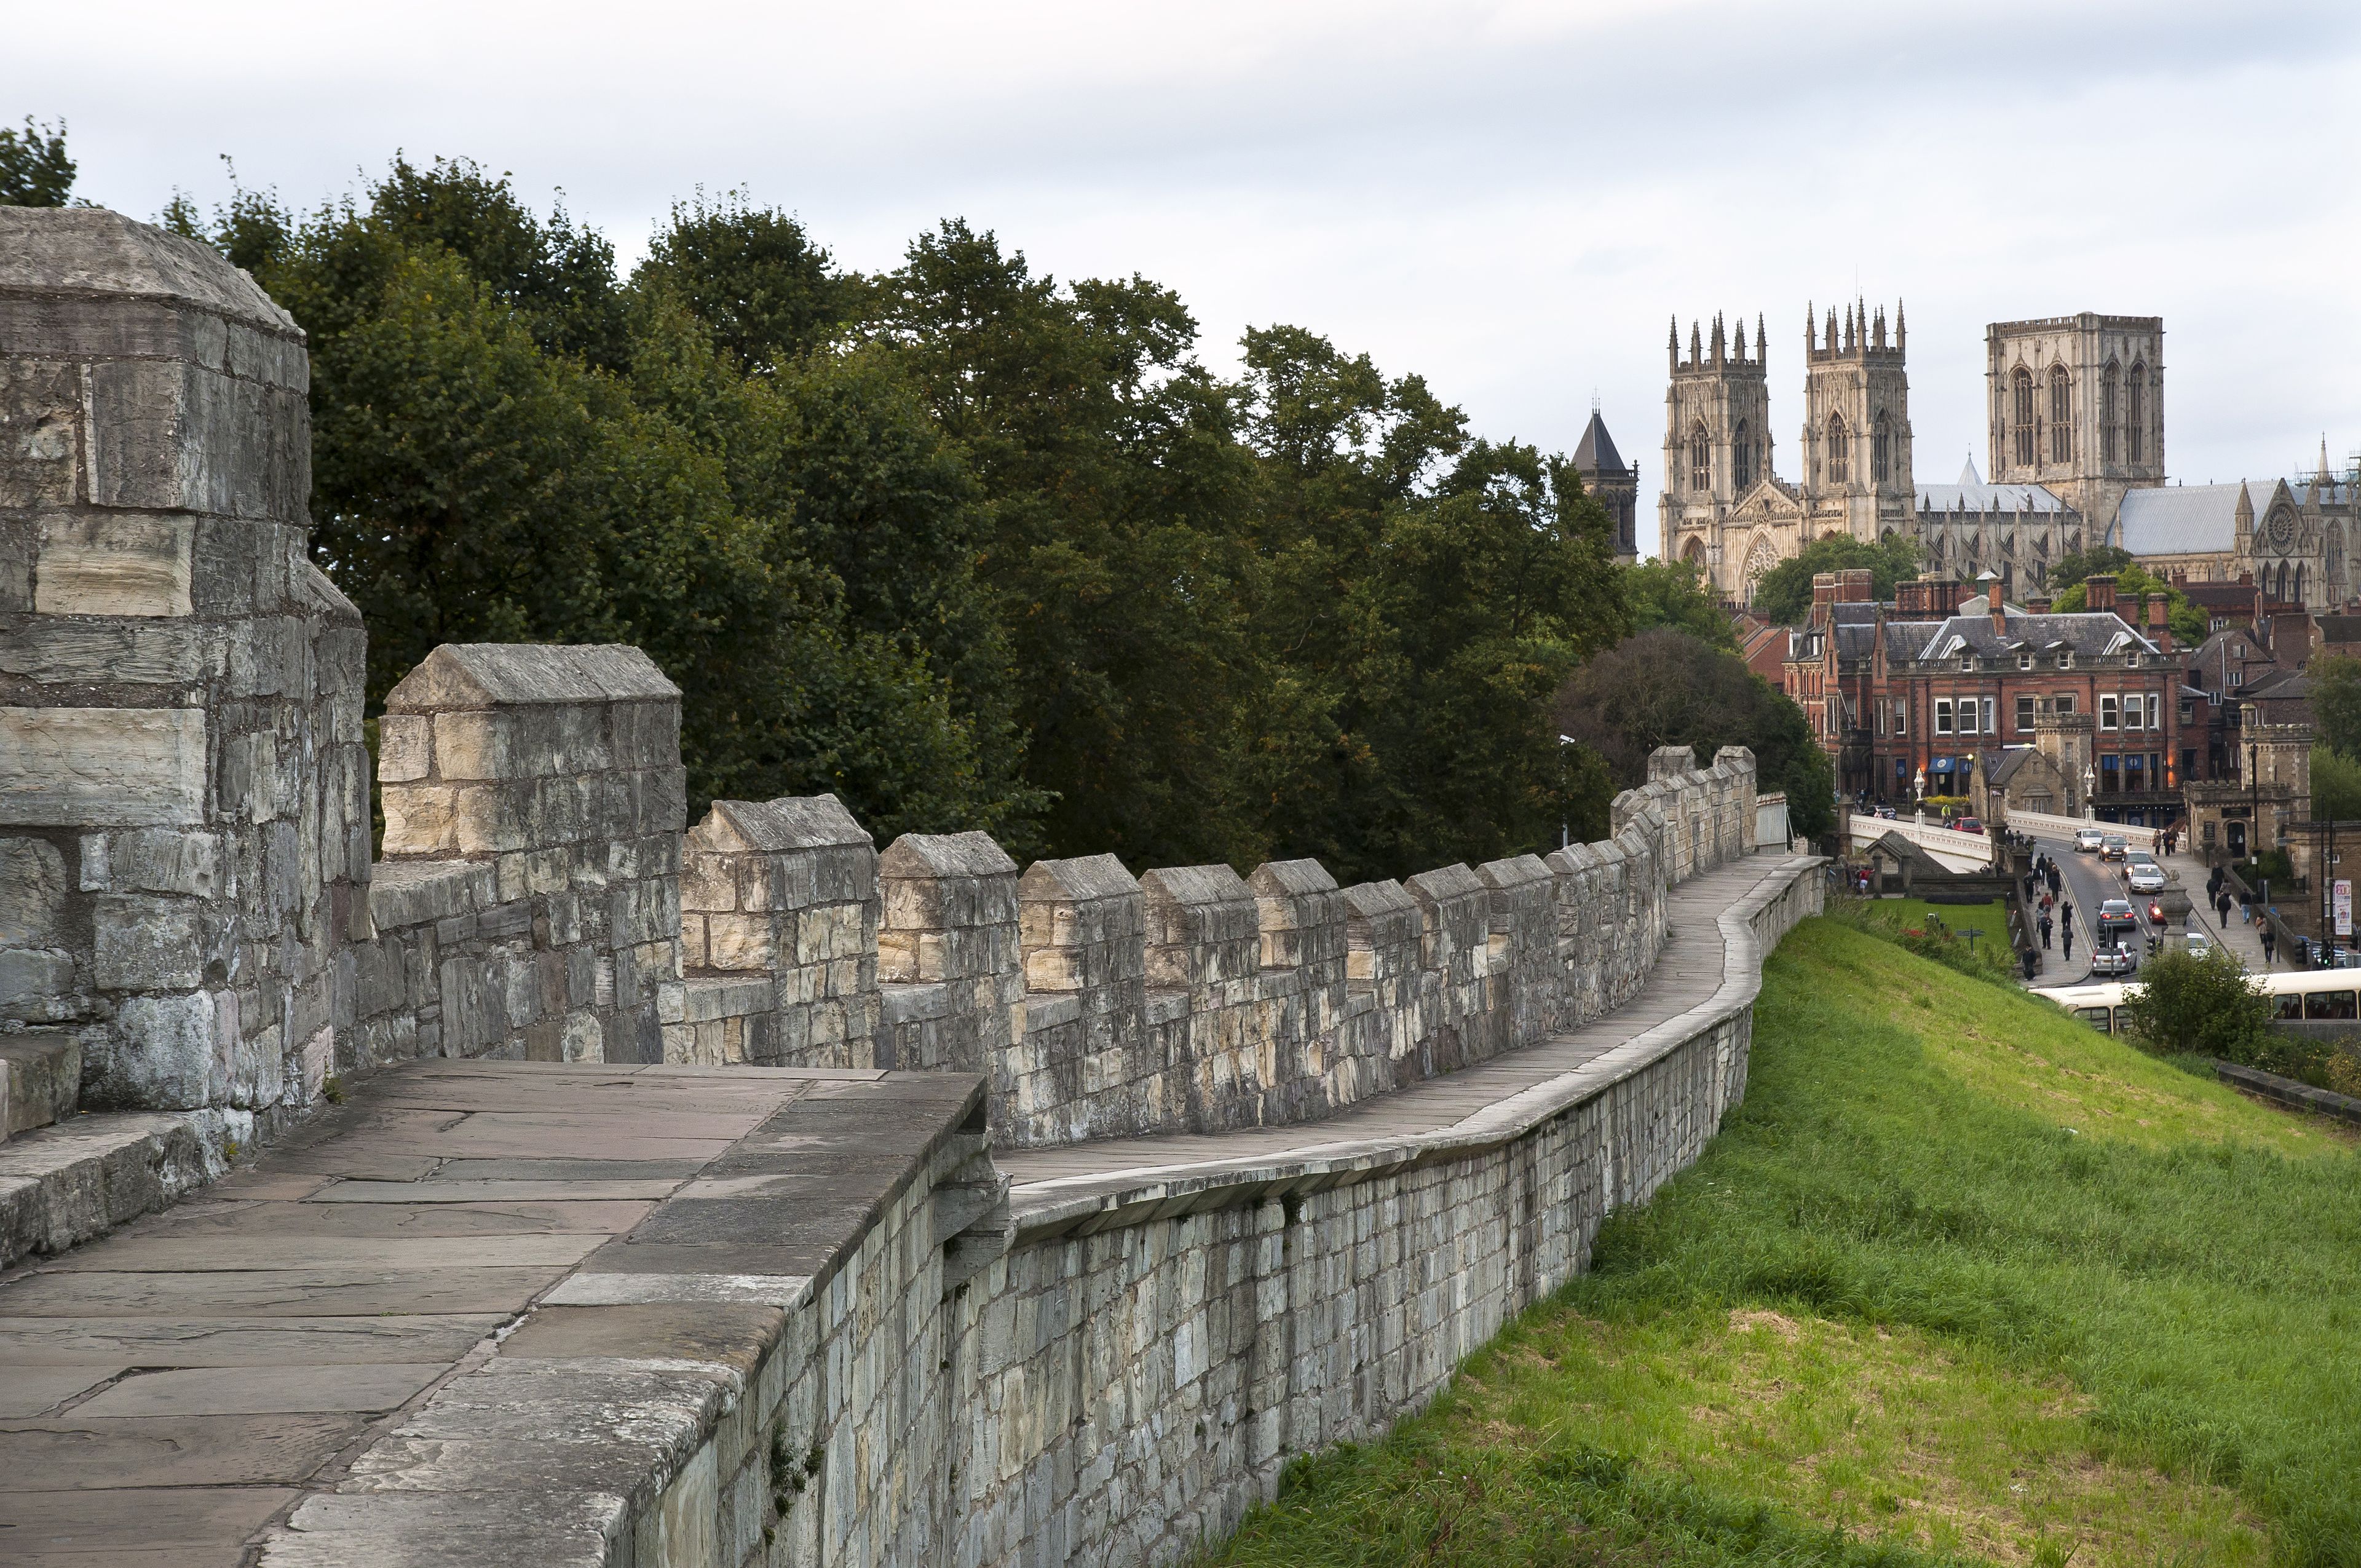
x=2113 y=961
x=2145 y=875
x=2087 y=841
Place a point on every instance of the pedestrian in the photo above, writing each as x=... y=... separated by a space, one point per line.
x=2066 y=917
x=2057 y=882
x=2030 y=961
x=2269 y=940
x=2045 y=933
x=2246 y=907
x=2067 y=940
x=2222 y=907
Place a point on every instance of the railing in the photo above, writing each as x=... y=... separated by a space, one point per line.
x=1974 y=846
x=2042 y=824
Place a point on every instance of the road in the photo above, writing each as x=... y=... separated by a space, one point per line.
x=2089 y=880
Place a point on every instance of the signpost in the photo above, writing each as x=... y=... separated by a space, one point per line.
x=2341 y=904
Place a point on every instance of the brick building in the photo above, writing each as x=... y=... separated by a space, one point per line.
x=1914 y=697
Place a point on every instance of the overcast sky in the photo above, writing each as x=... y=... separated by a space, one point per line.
x=1511 y=199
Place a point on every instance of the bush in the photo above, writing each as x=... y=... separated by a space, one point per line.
x=2201 y=1006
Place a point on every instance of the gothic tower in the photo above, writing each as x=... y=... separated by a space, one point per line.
x=1856 y=456
x=1717 y=439
x=1613 y=484
x=2076 y=403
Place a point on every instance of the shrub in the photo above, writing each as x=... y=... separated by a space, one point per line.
x=2201 y=1006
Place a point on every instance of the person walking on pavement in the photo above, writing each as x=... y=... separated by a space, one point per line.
x=2246 y=907
x=2269 y=940
x=2054 y=879
x=2068 y=937
x=2045 y=933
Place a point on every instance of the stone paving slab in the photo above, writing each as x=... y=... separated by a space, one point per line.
x=234 y=1367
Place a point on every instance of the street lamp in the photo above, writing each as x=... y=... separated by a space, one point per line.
x=2090 y=794
x=1918 y=794
x=1564 y=834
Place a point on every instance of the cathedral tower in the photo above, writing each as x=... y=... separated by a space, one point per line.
x=1717 y=439
x=2076 y=403
x=1615 y=486
x=1856 y=457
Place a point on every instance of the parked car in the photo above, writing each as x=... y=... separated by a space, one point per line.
x=2087 y=841
x=2145 y=875
x=2113 y=961
x=1969 y=825
x=2114 y=847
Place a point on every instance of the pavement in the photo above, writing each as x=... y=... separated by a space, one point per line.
x=174 y=1393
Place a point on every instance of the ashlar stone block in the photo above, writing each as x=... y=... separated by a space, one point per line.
x=91 y=766
x=114 y=565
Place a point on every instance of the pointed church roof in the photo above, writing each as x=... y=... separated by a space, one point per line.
x=1596 y=454
x=1969 y=477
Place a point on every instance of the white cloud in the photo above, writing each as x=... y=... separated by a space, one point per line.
x=1508 y=198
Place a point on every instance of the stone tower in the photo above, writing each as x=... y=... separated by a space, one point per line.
x=2076 y=403
x=184 y=808
x=1615 y=486
x=1856 y=470
x=1716 y=437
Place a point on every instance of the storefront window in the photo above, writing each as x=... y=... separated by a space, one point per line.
x=2111 y=777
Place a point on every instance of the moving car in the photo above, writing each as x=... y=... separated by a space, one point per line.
x=2144 y=874
x=2113 y=961
x=2117 y=922
x=2114 y=847
x=1969 y=825
x=2199 y=944
x=2087 y=841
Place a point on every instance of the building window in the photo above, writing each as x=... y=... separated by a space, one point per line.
x=2135 y=774
x=1901 y=715
x=1839 y=468
x=2237 y=678
x=1992 y=716
x=1881 y=457
x=2061 y=415
x=1700 y=460
x=2024 y=714
x=1742 y=460
x=2025 y=417
x=2065 y=658
x=2136 y=427
x=1967 y=663
x=2065 y=703
x=2110 y=778
x=2107 y=711
x=2132 y=661
x=2187 y=764
x=2025 y=661
x=2110 y=390
x=1942 y=715
x=2155 y=711
x=2188 y=713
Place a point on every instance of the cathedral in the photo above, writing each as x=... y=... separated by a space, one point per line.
x=1724 y=506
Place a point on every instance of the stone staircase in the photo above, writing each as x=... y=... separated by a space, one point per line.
x=40 y=1082
x=66 y=1178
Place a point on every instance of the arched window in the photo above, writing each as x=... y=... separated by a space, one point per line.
x=2110 y=391
x=2024 y=416
x=2061 y=416
x=1741 y=461
x=1839 y=469
x=1700 y=459
x=1880 y=452
x=2299 y=584
x=1694 y=552
x=2136 y=425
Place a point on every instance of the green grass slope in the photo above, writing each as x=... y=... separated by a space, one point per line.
x=1961 y=1280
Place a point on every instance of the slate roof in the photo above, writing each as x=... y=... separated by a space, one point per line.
x=2180 y=520
x=1972 y=494
x=2340 y=629
x=2221 y=596
x=1595 y=453
x=2011 y=758
x=2089 y=634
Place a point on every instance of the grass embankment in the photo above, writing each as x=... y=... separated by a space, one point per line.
x=1962 y=1277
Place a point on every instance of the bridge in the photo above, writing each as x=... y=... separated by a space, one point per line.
x=1954 y=850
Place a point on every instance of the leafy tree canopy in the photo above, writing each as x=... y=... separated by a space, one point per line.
x=1674 y=594
x=1784 y=596
x=2205 y=1006
x=2336 y=681
x=1665 y=687
x=34 y=170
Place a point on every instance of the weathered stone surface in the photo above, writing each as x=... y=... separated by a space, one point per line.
x=126 y=766
x=32 y=893
x=131 y=566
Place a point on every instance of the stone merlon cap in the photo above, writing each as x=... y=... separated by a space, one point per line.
x=93 y=253
x=971 y=853
x=503 y=675
x=792 y=822
x=1290 y=878
x=1084 y=877
x=1195 y=884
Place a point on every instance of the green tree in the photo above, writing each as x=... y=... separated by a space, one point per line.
x=2101 y=560
x=1674 y=594
x=1784 y=596
x=2335 y=682
x=1665 y=687
x=2335 y=785
x=2133 y=585
x=2203 y=1006
x=34 y=170
x=752 y=276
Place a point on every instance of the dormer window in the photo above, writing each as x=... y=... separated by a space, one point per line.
x=1967 y=663
x=2133 y=659
x=2065 y=658
x=2025 y=661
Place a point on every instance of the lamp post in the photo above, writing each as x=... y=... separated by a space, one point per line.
x=2090 y=794
x=1918 y=794
x=1564 y=834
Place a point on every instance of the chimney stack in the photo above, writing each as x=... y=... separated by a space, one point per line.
x=2038 y=603
x=1855 y=585
x=2101 y=592
x=1824 y=593
x=1993 y=604
x=2160 y=627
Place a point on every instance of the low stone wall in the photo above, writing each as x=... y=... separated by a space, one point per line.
x=1153 y=1359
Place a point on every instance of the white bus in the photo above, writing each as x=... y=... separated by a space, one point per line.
x=2304 y=996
